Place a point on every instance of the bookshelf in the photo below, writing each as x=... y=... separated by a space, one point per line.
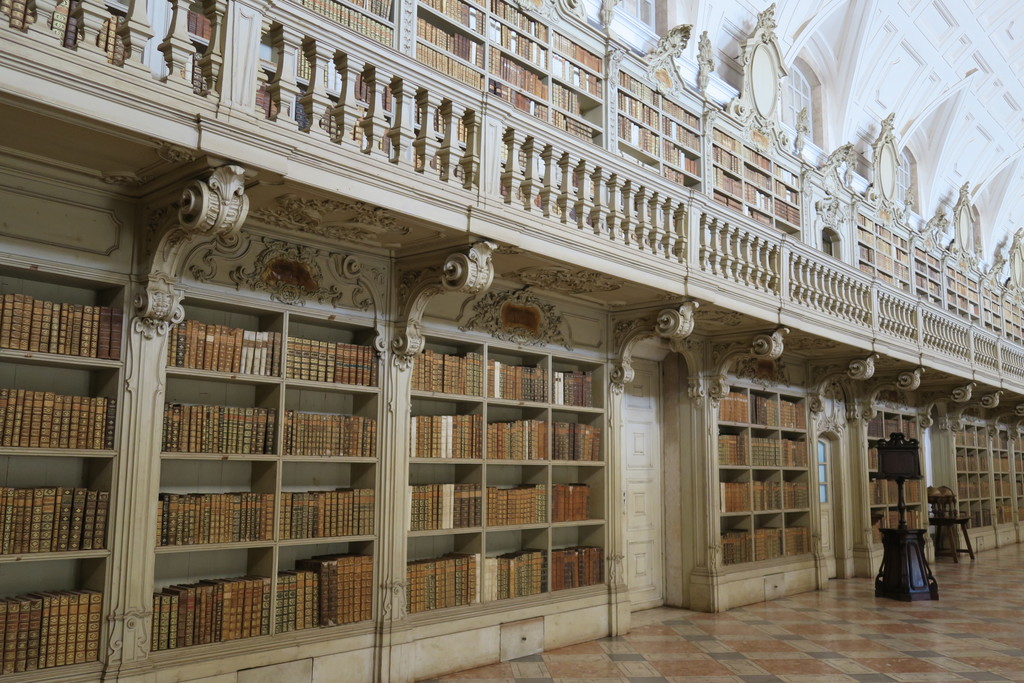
x=268 y=475
x=57 y=465
x=927 y=275
x=883 y=253
x=657 y=132
x=371 y=18
x=501 y=49
x=506 y=475
x=1002 y=477
x=962 y=293
x=764 y=476
x=882 y=494
x=753 y=184
x=1018 y=472
x=973 y=472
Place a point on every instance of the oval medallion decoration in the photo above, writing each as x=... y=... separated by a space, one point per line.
x=887 y=172
x=764 y=80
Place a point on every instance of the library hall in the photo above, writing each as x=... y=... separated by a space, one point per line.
x=357 y=341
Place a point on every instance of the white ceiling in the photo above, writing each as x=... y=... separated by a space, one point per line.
x=951 y=70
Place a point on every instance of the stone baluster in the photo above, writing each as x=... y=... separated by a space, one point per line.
x=374 y=124
x=529 y=187
x=626 y=221
x=211 y=62
x=318 y=105
x=134 y=32
x=614 y=208
x=584 y=193
x=427 y=104
x=565 y=172
x=176 y=47
x=643 y=224
x=448 y=151
x=401 y=134
x=677 y=241
x=655 y=216
x=599 y=210
x=511 y=172
x=470 y=161
x=548 y=189
x=283 y=88
x=347 y=111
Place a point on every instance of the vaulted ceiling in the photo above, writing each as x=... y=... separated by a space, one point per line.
x=951 y=70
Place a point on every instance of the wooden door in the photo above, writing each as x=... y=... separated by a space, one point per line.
x=641 y=476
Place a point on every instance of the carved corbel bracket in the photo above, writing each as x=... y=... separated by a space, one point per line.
x=991 y=400
x=671 y=324
x=211 y=209
x=767 y=345
x=471 y=272
x=1019 y=410
x=908 y=380
x=963 y=394
x=860 y=369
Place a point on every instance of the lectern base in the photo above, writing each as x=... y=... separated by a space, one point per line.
x=904 y=574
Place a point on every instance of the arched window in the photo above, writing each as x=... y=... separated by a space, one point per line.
x=643 y=10
x=830 y=243
x=905 y=178
x=796 y=96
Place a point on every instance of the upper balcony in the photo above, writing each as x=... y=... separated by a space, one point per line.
x=519 y=122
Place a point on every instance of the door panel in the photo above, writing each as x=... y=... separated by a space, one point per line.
x=642 y=480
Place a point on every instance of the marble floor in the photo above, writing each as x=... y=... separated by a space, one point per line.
x=975 y=632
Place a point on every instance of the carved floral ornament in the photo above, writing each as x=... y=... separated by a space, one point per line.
x=661 y=60
x=491 y=314
x=561 y=279
x=335 y=219
x=671 y=324
x=551 y=8
x=471 y=272
x=212 y=209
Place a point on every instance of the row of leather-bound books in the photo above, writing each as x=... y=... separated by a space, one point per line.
x=203 y=518
x=202 y=346
x=321 y=591
x=450 y=374
x=514 y=575
x=449 y=581
x=570 y=502
x=523 y=504
x=576 y=567
x=44 y=419
x=52 y=519
x=227 y=429
x=46 y=629
x=38 y=326
x=444 y=506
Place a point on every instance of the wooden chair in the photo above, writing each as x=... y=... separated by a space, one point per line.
x=946 y=516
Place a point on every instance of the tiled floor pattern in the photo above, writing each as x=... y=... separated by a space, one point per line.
x=974 y=632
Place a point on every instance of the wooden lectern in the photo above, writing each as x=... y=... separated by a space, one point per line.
x=904 y=574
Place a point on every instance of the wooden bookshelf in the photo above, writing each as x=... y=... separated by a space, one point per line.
x=511 y=54
x=928 y=275
x=963 y=295
x=1002 y=477
x=883 y=253
x=371 y=18
x=883 y=496
x=1018 y=473
x=973 y=474
x=268 y=475
x=508 y=477
x=657 y=132
x=753 y=184
x=764 y=476
x=60 y=448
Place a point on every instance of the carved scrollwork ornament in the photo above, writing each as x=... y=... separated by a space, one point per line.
x=697 y=390
x=671 y=324
x=469 y=273
x=217 y=206
x=158 y=306
x=615 y=576
x=909 y=380
x=769 y=345
x=991 y=400
x=863 y=368
x=395 y=603
x=661 y=60
x=718 y=388
x=963 y=394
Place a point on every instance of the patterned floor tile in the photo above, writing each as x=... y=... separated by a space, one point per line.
x=975 y=632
